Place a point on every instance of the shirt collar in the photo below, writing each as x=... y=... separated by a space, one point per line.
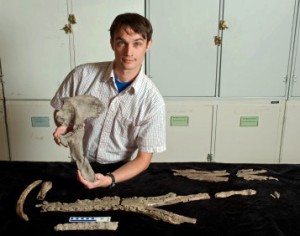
x=135 y=85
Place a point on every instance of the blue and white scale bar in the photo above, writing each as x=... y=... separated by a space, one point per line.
x=89 y=219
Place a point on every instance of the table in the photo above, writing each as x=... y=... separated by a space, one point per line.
x=259 y=214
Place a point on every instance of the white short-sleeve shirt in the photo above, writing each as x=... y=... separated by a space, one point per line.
x=132 y=119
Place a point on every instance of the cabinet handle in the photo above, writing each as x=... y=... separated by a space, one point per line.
x=218 y=40
x=71 y=21
x=223 y=25
x=67 y=28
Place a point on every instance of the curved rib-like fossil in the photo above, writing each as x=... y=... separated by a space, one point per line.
x=22 y=198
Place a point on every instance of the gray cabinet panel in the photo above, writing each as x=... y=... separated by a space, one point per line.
x=255 y=48
x=4 y=154
x=295 y=75
x=183 y=57
x=34 y=50
x=291 y=142
x=91 y=33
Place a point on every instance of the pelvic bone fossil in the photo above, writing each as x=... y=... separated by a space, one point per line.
x=75 y=111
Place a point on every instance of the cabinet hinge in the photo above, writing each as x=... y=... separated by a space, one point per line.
x=1 y=75
x=223 y=25
x=209 y=157
x=218 y=40
x=68 y=27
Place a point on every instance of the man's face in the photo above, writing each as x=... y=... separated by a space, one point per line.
x=129 y=48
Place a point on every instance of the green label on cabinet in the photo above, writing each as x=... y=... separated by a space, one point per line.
x=40 y=121
x=248 y=121
x=179 y=121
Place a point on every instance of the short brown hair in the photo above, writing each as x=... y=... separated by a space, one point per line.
x=138 y=23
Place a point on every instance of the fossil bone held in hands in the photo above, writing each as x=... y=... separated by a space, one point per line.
x=74 y=112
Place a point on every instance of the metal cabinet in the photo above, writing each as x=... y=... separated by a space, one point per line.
x=250 y=58
x=4 y=154
x=295 y=65
x=30 y=129
x=290 y=147
x=256 y=47
x=41 y=41
x=182 y=60
x=249 y=132
x=91 y=32
x=189 y=131
x=34 y=50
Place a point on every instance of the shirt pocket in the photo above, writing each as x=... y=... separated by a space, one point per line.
x=126 y=129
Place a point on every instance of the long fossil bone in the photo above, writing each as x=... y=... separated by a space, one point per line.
x=244 y=192
x=143 y=205
x=74 y=112
x=87 y=226
x=22 y=198
x=250 y=174
x=210 y=176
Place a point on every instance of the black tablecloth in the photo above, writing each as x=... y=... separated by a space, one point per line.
x=259 y=214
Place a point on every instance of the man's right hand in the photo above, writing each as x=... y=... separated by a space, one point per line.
x=61 y=130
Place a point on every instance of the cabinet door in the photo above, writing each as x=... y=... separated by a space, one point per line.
x=248 y=132
x=30 y=129
x=189 y=135
x=91 y=32
x=34 y=50
x=255 y=48
x=291 y=142
x=4 y=153
x=295 y=80
x=183 y=57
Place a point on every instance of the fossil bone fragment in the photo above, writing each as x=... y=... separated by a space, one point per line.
x=210 y=176
x=22 y=198
x=74 y=112
x=250 y=174
x=143 y=205
x=87 y=226
x=275 y=195
x=46 y=186
x=244 y=192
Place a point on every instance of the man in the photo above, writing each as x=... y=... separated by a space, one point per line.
x=134 y=115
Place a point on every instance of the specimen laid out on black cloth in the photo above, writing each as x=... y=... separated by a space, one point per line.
x=272 y=208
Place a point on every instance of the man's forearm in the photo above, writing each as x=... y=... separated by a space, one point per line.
x=133 y=167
